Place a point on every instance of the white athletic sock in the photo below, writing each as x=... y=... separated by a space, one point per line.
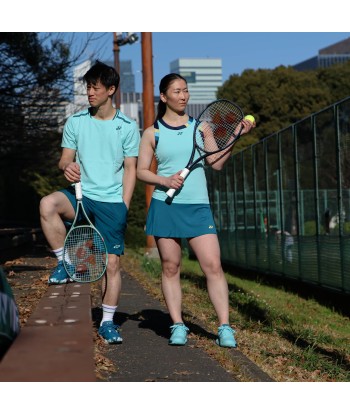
x=108 y=312
x=59 y=253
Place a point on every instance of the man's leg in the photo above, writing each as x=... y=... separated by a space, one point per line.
x=53 y=209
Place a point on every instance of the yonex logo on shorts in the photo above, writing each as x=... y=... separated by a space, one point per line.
x=116 y=246
x=211 y=226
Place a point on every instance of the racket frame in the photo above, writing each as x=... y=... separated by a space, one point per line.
x=190 y=164
x=79 y=209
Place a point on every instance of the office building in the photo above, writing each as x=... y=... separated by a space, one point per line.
x=334 y=54
x=203 y=75
x=127 y=78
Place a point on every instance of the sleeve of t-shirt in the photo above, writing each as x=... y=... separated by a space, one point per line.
x=68 y=138
x=132 y=141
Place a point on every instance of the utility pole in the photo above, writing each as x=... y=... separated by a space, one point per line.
x=116 y=50
x=148 y=116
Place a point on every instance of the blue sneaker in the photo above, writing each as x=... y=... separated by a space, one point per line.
x=59 y=274
x=178 y=334
x=226 y=336
x=109 y=332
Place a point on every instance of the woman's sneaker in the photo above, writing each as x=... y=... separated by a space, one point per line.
x=178 y=334
x=226 y=336
x=109 y=332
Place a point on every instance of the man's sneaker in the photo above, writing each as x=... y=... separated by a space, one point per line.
x=59 y=275
x=226 y=336
x=109 y=332
x=178 y=334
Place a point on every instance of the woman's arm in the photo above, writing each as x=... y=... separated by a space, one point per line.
x=144 y=172
x=218 y=160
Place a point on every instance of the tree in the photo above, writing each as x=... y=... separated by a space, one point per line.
x=282 y=96
x=35 y=84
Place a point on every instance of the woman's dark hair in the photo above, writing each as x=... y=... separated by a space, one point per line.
x=163 y=86
x=107 y=75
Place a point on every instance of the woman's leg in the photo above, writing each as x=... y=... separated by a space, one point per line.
x=207 y=251
x=170 y=255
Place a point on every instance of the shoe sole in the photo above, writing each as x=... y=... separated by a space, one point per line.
x=177 y=344
x=111 y=342
x=60 y=282
x=226 y=345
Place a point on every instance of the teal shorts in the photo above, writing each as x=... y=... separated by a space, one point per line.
x=109 y=219
x=179 y=220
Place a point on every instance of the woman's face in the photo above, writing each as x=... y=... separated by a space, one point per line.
x=176 y=96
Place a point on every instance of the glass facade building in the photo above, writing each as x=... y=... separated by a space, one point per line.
x=331 y=55
x=203 y=75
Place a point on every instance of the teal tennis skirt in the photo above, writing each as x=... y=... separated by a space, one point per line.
x=179 y=220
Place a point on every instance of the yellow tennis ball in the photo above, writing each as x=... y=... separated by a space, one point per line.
x=250 y=118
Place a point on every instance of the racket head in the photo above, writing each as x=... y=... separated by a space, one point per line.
x=217 y=125
x=87 y=252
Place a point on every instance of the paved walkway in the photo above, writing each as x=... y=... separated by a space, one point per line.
x=145 y=354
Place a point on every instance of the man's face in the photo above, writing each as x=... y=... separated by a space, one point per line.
x=98 y=94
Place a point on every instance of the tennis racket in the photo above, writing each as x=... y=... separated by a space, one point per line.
x=217 y=128
x=84 y=249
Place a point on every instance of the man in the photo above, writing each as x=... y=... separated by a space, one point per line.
x=100 y=149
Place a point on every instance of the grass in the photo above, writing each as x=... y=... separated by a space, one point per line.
x=289 y=337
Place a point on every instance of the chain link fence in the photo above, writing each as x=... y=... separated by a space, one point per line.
x=282 y=206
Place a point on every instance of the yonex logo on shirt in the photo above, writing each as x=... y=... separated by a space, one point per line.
x=179 y=133
x=118 y=128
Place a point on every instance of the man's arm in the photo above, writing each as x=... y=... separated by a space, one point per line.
x=129 y=179
x=70 y=168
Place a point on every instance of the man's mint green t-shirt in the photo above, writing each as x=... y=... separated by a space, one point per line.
x=101 y=147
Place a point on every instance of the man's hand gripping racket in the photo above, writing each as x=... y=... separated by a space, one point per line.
x=217 y=129
x=84 y=250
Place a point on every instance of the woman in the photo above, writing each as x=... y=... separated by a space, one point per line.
x=189 y=215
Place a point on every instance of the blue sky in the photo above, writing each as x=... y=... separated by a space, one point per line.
x=238 y=50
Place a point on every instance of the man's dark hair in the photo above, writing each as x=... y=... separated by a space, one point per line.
x=107 y=75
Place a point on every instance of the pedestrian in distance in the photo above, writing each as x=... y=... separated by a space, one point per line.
x=99 y=149
x=189 y=215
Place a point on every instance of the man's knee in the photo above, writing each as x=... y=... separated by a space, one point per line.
x=113 y=264
x=47 y=205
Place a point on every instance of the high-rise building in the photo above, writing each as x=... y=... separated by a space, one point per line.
x=334 y=54
x=127 y=77
x=203 y=75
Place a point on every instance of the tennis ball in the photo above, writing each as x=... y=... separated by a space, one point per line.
x=250 y=118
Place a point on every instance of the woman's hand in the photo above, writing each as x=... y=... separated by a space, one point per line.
x=247 y=126
x=175 y=181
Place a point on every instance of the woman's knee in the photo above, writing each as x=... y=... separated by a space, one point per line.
x=171 y=269
x=213 y=268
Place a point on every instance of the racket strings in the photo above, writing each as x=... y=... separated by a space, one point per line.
x=218 y=126
x=86 y=251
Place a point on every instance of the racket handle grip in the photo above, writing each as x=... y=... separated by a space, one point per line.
x=183 y=174
x=78 y=191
